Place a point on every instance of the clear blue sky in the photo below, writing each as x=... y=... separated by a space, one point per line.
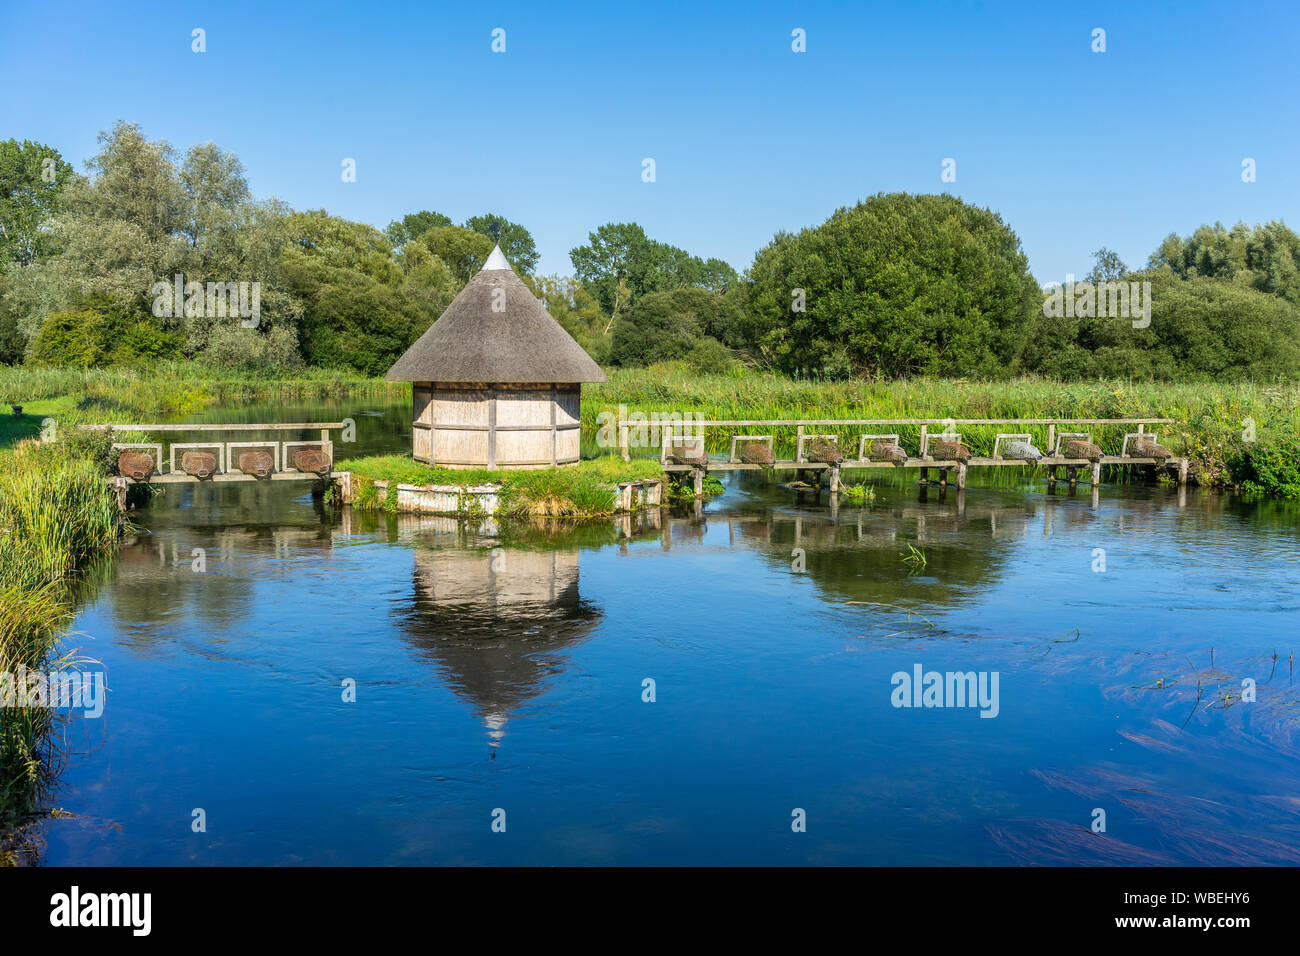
x=1075 y=149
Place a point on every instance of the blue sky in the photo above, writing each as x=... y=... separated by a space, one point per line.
x=1075 y=149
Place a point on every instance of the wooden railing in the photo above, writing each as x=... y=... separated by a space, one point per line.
x=697 y=426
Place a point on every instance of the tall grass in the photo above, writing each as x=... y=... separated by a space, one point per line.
x=180 y=387
x=56 y=514
x=1211 y=417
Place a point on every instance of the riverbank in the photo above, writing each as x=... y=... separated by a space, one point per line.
x=56 y=516
x=1241 y=436
x=587 y=489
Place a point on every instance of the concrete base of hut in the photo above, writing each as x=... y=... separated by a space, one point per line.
x=627 y=497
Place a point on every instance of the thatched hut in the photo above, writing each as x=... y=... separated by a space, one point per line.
x=496 y=380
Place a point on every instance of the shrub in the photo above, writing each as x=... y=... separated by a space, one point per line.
x=102 y=332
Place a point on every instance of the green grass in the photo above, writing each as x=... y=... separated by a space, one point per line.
x=584 y=489
x=57 y=514
x=178 y=387
x=1210 y=416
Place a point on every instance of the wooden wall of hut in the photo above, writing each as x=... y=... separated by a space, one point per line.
x=485 y=425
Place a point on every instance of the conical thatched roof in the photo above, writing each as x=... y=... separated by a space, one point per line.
x=520 y=342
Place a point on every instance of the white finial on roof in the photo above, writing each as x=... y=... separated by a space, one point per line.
x=496 y=260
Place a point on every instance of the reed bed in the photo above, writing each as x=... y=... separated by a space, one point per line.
x=1213 y=419
x=179 y=387
x=57 y=514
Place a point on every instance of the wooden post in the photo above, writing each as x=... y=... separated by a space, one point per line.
x=555 y=400
x=492 y=427
x=835 y=479
x=1096 y=473
x=961 y=476
x=1051 y=440
x=798 y=443
x=120 y=486
x=699 y=482
x=1182 y=472
x=921 y=449
x=622 y=440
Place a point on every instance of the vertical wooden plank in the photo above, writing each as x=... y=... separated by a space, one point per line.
x=1051 y=441
x=492 y=426
x=555 y=397
x=433 y=424
x=798 y=447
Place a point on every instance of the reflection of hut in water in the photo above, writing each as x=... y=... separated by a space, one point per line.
x=497 y=622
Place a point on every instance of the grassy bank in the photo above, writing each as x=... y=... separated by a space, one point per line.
x=1211 y=417
x=582 y=490
x=176 y=387
x=56 y=515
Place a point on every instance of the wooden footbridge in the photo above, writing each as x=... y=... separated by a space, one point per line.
x=221 y=461
x=855 y=454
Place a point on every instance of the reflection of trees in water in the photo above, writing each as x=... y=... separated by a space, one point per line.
x=856 y=555
x=155 y=581
x=496 y=620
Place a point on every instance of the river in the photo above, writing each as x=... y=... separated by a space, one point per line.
x=711 y=686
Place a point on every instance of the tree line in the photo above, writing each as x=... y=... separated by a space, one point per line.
x=896 y=285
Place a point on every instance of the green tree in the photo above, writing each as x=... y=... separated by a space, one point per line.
x=31 y=177
x=100 y=332
x=897 y=285
x=1201 y=329
x=516 y=242
x=663 y=326
x=578 y=313
x=12 y=343
x=1107 y=266
x=620 y=264
x=463 y=250
x=362 y=305
x=1263 y=257
x=412 y=225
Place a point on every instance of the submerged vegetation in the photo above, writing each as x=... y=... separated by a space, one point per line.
x=585 y=489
